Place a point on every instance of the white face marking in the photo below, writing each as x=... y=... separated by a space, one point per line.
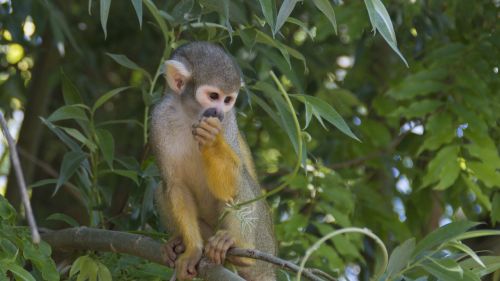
x=212 y=97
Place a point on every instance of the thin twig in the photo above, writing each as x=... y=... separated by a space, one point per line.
x=35 y=236
x=290 y=266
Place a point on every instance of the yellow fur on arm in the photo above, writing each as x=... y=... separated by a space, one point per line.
x=221 y=168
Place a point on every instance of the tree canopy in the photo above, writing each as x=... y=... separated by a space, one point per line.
x=373 y=124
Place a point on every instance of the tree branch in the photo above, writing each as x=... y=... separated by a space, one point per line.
x=84 y=238
x=16 y=165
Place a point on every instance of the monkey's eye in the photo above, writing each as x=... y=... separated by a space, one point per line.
x=227 y=100
x=213 y=96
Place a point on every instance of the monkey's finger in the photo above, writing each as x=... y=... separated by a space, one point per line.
x=171 y=256
x=204 y=134
x=214 y=122
x=228 y=244
x=221 y=248
x=209 y=128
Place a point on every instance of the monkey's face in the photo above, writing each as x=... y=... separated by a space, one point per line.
x=214 y=102
x=206 y=78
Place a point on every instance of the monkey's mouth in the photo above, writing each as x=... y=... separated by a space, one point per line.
x=213 y=112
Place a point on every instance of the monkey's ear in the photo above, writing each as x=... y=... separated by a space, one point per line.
x=177 y=75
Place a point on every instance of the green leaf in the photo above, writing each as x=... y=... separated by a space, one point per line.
x=439 y=130
x=65 y=218
x=62 y=135
x=70 y=163
x=326 y=8
x=88 y=270
x=466 y=249
x=381 y=21
x=327 y=112
x=128 y=174
x=492 y=264
x=107 y=145
x=104 y=10
x=107 y=96
x=417 y=109
x=481 y=197
x=103 y=273
x=70 y=92
x=158 y=18
x=485 y=173
x=19 y=272
x=138 y=10
x=80 y=137
x=446 y=157
x=400 y=257
x=442 y=235
x=269 y=10
x=66 y=112
x=444 y=269
x=39 y=256
x=448 y=174
x=263 y=104
x=76 y=266
x=286 y=117
x=478 y=233
x=126 y=62
x=285 y=10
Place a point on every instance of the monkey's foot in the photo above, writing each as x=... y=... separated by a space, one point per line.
x=217 y=246
x=185 y=266
x=207 y=130
x=173 y=248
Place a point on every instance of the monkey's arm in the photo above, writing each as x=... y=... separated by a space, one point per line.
x=222 y=167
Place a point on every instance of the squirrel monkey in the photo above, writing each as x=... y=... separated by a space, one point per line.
x=205 y=164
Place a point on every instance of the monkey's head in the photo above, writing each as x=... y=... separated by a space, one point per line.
x=206 y=78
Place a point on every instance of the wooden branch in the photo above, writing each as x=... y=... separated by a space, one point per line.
x=16 y=165
x=84 y=238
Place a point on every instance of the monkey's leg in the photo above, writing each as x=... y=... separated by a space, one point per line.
x=184 y=212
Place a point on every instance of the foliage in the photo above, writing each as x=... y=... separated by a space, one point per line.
x=428 y=133
x=17 y=251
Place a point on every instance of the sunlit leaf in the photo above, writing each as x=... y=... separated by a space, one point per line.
x=442 y=235
x=19 y=272
x=444 y=269
x=328 y=113
x=285 y=10
x=381 y=21
x=269 y=10
x=326 y=8
x=466 y=249
x=400 y=257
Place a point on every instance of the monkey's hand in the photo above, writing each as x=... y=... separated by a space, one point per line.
x=206 y=131
x=185 y=266
x=173 y=248
x=217 y=246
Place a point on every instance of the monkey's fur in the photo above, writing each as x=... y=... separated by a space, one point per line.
x=199 y=180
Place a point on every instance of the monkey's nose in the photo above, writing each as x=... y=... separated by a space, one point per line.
x=212 y=112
